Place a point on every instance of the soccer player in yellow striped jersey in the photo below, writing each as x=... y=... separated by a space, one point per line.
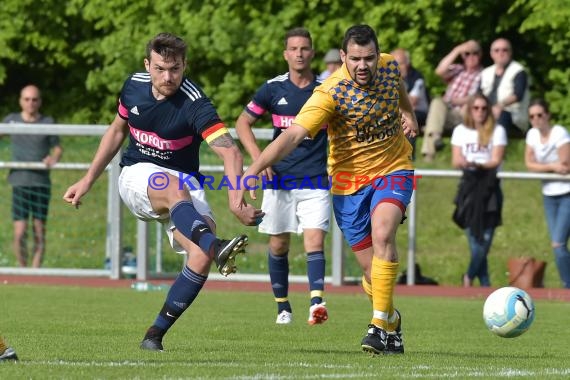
x=370 y=163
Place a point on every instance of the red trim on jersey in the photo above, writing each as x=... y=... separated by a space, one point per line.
x=213 y=129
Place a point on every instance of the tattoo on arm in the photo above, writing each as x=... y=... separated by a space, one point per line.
x=223 y=141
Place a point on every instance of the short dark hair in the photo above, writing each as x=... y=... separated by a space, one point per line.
x=361 y=35
x=539 y=102
x=167 y=45
x=298 y=32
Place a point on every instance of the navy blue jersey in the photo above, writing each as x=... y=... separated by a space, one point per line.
x=283 y=100
x=166 y=132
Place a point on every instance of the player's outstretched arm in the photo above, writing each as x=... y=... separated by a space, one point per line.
x=228 y=151
x=244 y=125
x=411 y=128
x=277 y=150
x=108 y=147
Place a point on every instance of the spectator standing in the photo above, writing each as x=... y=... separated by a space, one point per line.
x=370 y=165
x=332 y=62
x=31 y=188
x=416 y=87
x=548 y=151
x=463 y=80
x=295 y=206
x=478 y=148
x=506 y=84
x=166 y=116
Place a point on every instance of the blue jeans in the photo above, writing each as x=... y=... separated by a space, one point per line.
x=557 y=210
x=478 y=266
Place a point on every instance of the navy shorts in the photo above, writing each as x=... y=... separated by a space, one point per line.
x=28 y=200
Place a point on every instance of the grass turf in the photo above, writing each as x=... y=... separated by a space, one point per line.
x=72 y=332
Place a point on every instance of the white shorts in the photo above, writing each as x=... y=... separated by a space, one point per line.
x=294 y=210
x=133 y=188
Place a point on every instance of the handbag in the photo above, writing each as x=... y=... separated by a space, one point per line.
x=526 y=272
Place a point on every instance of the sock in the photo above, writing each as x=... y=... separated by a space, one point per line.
x=367 y=287
x=180 y=296
x=279 y=275
x=316 y=275
x=393 y=321
x=383 y=277
x=2 y=345
x=192 y=225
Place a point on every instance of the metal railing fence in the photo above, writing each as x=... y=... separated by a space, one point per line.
x=114 y=214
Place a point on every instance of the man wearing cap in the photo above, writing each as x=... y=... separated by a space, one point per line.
x=333 y=62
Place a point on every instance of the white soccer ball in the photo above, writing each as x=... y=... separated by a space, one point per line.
x=508 y=312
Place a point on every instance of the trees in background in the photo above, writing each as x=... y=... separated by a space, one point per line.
x=80 y=51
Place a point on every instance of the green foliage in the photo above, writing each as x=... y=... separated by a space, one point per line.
x=81 y=51
x=549 y=20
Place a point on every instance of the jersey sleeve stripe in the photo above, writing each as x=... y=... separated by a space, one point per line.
x=141 y=77
x=214 y=132
x=123 y=111
x=255 y=109
x=190 y=90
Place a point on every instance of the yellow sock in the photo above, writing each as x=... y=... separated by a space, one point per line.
x=383 y=278
x=367 y=287
x=317 y=293
x=2 y=345
x=393 y=321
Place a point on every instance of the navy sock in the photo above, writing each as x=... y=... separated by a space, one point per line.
x=180 y=296
x=316 y=275
x=279 y=275
x=192 y=225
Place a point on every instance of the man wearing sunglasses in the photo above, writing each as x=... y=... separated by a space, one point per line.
x=463 y=80
x=506 y=84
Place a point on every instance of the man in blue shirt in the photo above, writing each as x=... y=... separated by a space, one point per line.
x=295 y=196
x=166 y=117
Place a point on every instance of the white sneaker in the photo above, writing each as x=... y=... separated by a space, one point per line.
x=318 y=314
x=8 y=354
x=284 y=318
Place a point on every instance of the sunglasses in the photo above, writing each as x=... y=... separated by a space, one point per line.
x=479 y=108
x=468 y=53
x=537 y=115
x=497 y=50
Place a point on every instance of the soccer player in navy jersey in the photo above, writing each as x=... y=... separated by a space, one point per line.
x=295 y=196
x=166 y=116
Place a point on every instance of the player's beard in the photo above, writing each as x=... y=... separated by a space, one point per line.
x=363 y=77
x=167 y=89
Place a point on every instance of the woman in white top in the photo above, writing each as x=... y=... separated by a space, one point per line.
x=548 y=150
x=478 y=148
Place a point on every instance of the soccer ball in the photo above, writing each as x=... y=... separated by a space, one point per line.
x=508 y=312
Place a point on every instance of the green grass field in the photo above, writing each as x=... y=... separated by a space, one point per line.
x=93 y=333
